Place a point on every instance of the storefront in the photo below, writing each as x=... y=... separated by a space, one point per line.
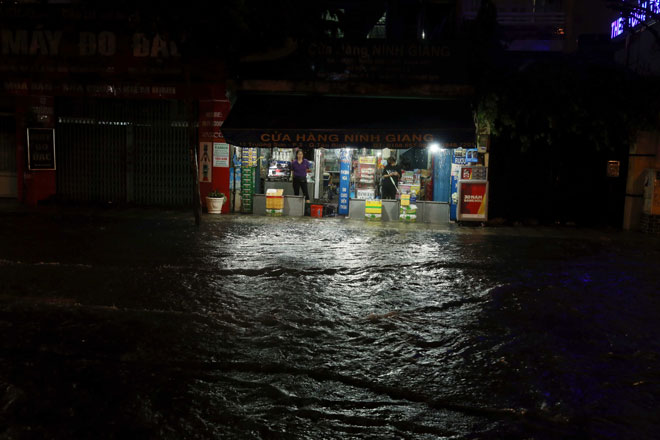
x=115 y=114
x=348 y=140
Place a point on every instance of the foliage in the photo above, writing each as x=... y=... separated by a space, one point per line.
x=215 y=194
x=555 y=123
x=545 y=103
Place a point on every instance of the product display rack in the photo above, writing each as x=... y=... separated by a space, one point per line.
x=365 y=179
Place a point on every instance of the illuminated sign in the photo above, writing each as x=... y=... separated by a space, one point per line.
x=645 y=10
x=617 y=27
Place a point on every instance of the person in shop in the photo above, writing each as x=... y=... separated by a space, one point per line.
x=390 y=179
x=299 y=166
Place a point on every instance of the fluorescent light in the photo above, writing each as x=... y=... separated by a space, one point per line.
x=434 y=147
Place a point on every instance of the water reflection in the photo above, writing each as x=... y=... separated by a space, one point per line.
x=281 y=328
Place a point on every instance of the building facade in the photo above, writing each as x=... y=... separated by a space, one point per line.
x=635 y=34
x=95 y=109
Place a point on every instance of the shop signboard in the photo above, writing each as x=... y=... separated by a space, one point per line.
x=344 y=181
x=276 y=121
x=473 y=201
x=220 y=155
x=41 y=148
x=52 y=41
x=349 y=138
x=378 y=60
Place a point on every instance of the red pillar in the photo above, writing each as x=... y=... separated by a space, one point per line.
x=33 y=112
x=212 y=113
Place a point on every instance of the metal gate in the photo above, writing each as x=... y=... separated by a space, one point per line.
x=7 y=155
x=123 y=151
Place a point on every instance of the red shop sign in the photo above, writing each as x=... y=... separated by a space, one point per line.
x=473 y=201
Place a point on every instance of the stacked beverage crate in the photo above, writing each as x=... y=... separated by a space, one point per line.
x=407 y=210
x=274 y=202
x=373 y=209
x=248 y=178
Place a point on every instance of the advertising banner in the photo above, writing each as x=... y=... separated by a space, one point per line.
x=471 y=155
x=473 y=201
x=220 y=155
x=474 y=173
x=344 y=181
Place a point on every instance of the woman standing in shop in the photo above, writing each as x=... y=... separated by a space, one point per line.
x=389 y=180
x=299 y=166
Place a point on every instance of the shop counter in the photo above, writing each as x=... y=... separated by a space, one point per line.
x=433 y=212
x=287 y=187
x=259 y=204
x=294 y=206
x=390 y=211
x=356 y=209
x=427 y=212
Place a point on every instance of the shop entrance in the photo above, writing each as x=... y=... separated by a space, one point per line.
x=336 y=176
x=8 y=181
x=355 y=135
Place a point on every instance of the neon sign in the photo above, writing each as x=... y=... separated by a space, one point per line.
x=654 y=6
x=645 y=10
x=617 y=27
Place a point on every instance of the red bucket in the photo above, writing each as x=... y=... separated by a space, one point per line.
x=317 y=210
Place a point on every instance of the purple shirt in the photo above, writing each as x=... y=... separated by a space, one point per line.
x=300 y=169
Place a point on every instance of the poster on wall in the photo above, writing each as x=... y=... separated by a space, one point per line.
x=459 y=156
x=471 y=155
x=205 y=154
x=474 y=173
x=473 y=201
x=41 y=148
x=220 y=155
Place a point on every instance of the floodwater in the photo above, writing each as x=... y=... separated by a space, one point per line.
x=140 y=325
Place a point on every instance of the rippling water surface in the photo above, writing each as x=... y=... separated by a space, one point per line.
x=262 y=328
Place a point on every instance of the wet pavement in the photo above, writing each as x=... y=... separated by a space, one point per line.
x=137 y=324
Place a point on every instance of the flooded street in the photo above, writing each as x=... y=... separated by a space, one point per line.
x=140 y=325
